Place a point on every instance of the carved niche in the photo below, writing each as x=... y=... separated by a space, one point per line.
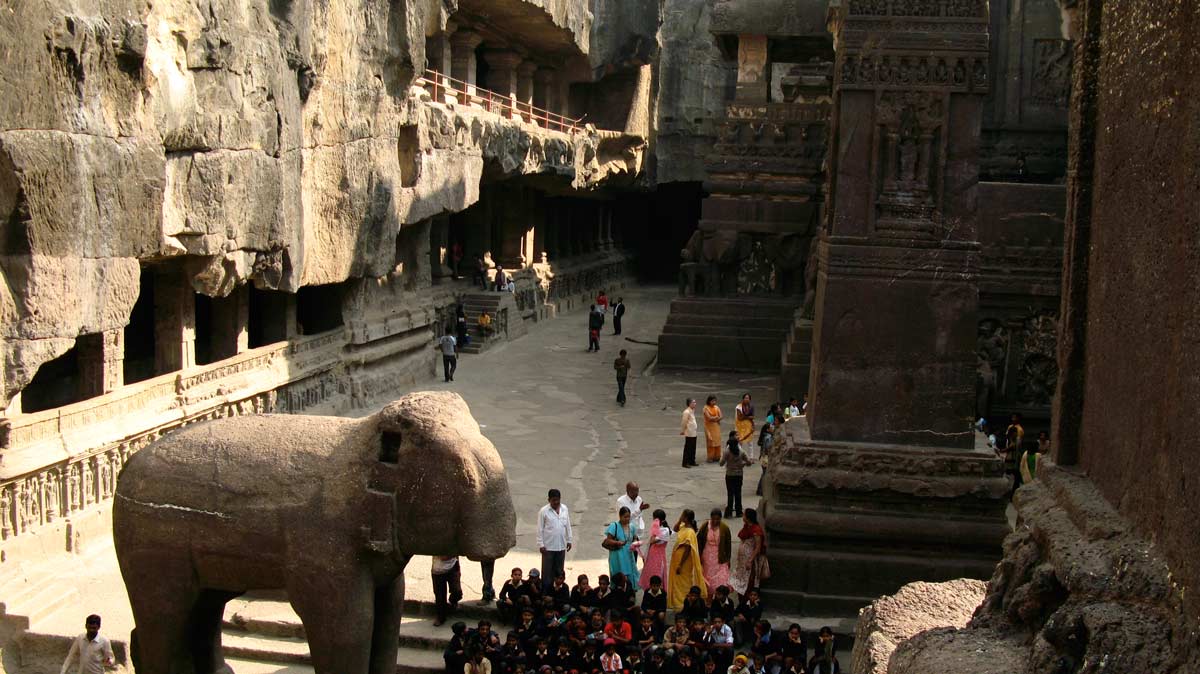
x=910 y=137
x=1038 y=374
x=1050 y=83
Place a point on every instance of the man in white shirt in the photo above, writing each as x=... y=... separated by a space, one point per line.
x=554 y=536
x=93 y=651
x=688 y=431
x=449 y=346
x=632 y=500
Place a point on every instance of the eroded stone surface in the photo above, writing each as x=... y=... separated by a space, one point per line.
x=917 y=607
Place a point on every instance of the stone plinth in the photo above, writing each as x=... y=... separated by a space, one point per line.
x=848 y=522
x=742 y=333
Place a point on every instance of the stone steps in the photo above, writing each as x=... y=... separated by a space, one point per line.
x=796 y=356
x=35 y=600
x=726 y=333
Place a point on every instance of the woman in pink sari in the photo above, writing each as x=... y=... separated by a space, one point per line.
x=714 y=551
x=655 y=549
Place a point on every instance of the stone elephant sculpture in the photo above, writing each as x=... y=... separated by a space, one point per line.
x=329 y=509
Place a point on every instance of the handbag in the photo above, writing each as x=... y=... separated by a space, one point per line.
x=611 y=544
x=762 y=568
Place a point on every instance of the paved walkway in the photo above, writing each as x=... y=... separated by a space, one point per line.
x=549 y=407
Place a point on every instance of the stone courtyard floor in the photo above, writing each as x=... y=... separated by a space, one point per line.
x=549 y=407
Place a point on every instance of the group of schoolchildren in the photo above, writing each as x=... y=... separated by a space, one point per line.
x=583 y=629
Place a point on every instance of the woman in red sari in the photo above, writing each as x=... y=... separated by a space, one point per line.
x=751 y=554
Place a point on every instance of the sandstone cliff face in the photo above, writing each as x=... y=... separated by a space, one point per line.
x=273 y=141
x=693 y=78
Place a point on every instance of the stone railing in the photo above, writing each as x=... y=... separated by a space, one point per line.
x=60 y=462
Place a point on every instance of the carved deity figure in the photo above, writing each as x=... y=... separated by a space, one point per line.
x=50 y=494
x=73 y=488
x=6 y=513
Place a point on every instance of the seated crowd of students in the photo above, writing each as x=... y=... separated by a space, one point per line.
x=606 y=630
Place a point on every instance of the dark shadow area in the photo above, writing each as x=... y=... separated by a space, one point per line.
x=139 y=334
x=267 y=322
x=56 y=383
x=319 y=308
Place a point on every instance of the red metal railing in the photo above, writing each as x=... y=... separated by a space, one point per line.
x=440 y=85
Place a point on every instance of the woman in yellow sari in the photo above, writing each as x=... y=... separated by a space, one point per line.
x=712 y=428
x=685 y=570
x=744 y=424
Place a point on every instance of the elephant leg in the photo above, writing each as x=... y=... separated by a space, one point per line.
x=338 y=612
x=204 y=632
x=389 y=600
x=161 y=605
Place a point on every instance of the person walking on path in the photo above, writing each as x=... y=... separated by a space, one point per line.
x=688 y=431
x=712 y=428
x=632 y=499
x=685 y=568
x=619 y=539
x=602 y=302
x=618 y=312
x=749 y=570
x=715 y=546
x=554 y=536
x=447 y=586
x=744 y=423
x=92 y=651
x=622 y=365
x=449 y=346
x=734 y=460
x=595 y=322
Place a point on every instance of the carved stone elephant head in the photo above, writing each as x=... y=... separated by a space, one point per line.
x=328 y=509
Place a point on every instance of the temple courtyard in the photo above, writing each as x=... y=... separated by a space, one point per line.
x=549 y=407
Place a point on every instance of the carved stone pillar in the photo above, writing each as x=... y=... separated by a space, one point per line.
x=502 y=78
x=525 y=88
x=545 y=92
x=174 y=321
x=439 y=57
x=439 y=248
x=230 y=323
x=101 y=362
x=752 y=75
x=893 y=355
x=462 y=64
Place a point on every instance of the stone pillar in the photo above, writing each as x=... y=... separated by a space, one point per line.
x=439 y=57
x=886 y=457
x=174 y=321
x=230 y=324
x=545 y=92
x=290 y=325
x=462 y=63
x=439 y=248
x=101 y=362
x=525 y=88
x=502 y=79
x=753 y=82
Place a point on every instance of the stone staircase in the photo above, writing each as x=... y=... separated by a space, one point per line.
x=796 y=360
x=506 y=319
x=263 y=628
x=742 y=333
x=30 y=598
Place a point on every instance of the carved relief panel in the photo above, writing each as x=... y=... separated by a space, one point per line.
x=909 y=142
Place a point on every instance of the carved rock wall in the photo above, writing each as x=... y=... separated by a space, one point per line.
x=274 y=142
x=693 y=78
x=1079 y=590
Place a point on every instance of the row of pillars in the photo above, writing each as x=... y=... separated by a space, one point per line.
x=520 y=226
x=520 y=81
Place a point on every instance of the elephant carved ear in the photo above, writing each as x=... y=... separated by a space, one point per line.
x=378 y=511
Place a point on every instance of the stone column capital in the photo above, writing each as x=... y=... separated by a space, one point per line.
x=527 y=68
x=465 y=39
x=504 y=59
x=545 y=75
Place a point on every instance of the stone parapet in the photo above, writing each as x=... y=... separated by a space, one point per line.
x=847 y=522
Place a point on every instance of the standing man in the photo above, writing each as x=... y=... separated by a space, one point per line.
x=688 y=431
x=447 y=586
x=92 y=650
x=501 y=279
x=449 y=346
x=595 y=322
x=553 y=536
x=621 y=365
x=632 y=500
x=618 y=312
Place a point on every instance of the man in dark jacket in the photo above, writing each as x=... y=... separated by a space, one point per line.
x=618 y=312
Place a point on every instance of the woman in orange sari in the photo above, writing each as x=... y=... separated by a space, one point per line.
x=712 y=428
